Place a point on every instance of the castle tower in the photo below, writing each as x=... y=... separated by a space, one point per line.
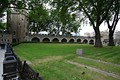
x=17 y=25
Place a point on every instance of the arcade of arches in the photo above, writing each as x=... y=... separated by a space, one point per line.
x=63 y=40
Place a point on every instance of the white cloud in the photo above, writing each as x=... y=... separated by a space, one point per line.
x=88 y=28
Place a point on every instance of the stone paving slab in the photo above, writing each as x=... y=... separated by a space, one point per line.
x=2 y=55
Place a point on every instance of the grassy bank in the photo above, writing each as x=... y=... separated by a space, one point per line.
x=50 y=60
x=39 y=50
x=59 y=70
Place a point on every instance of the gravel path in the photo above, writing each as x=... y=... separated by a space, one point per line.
x=2 y=53
x=94 y=69
x=100 y=61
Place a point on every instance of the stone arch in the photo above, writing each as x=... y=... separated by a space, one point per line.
x=64 y=40
x=91 y=42
x=14 y=40
x=71 y=40
x=118 y=43
x=105 y=41
x=35 y=39
x=85 y=41
x=46 y=40
x=55 y=40
x=79 y=40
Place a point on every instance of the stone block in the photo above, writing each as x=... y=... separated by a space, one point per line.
x=79 y=52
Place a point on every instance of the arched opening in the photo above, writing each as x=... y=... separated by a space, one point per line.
x=79 y=40
x=71 y=40
x=55 y=40
x=91 y=42
x=46 y=40
x=35 y=39
x=14 y=40
x=105 y=41
x=64 y=40
x=85 y=41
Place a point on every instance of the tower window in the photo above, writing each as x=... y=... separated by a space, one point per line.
x=18 y=40
x=24 y=38
x=14 y=33
x=8 y=40
x=26 y=33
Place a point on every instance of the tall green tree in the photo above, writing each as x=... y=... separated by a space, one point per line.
x=96 y=11
x=112 y=20
x=59 y=18
x=64 y=15
x=38 y=19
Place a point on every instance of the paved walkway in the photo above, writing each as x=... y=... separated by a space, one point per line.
x=2 y=53
x=95 y=69
x=100 y=61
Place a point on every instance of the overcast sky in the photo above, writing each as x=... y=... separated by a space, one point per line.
x=103 y=27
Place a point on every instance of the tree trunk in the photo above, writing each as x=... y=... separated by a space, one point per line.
x=98 y=42
x=111 y=40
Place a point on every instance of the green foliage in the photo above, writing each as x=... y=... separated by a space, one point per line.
x=3 y=5
x=59 y=18
x=18 y=4
x=96 y=11
x=38 y=19
x=64 y=16
x=2 y=26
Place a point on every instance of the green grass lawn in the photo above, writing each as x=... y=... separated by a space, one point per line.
x=49 y=60
x=27 y=50
x=39 y=50
x=99 y=65
x=59 y=70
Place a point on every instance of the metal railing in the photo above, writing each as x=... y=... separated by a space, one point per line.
x=23 y=70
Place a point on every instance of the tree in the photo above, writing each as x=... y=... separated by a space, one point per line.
x=6 y=4
x=38 y=19
x=112 y=20
x=2 y=26
x=59 y=18
x=64 y=16
x=3 y=5
x=96 y=11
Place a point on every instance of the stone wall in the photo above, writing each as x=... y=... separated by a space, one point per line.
x=71 y=39
x=4 y=37
x=18 y=25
